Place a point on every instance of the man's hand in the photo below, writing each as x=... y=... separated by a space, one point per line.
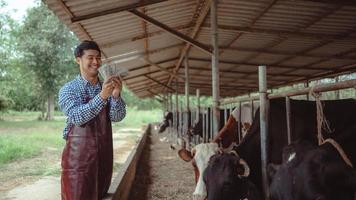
x=117 y=87
x=107 y=88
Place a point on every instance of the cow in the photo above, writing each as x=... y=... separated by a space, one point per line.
x=228 y=133
x=168 y=119
x=312 y=172
x=199 y=156
x=339 y=113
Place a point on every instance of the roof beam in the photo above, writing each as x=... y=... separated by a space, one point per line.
x=76 y=19
x=278 y=53
x=202 y=12
x=159 y=83
x=333 y=2
x=173 y=32
x=159 y=62
x=257 y=64
x=284 y=34
x=140 y=37
x=163 y=69
x=239 y=72
x=140 y=54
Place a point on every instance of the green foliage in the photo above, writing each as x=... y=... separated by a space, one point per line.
x=137 y=118
x=47 y=49
x=141 y=104
x=5 y=103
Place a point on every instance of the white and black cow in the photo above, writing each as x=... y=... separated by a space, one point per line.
x=313 y=172
x=168 y=119
x=339 y=113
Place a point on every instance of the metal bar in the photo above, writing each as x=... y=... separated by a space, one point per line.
x=256 y=64
x=211 y=124
x=239 y=122
x=187 y=107
x=252 y=110
x=317 y=88
x=337 y=92
x=301 y=91
x=187 y=79
x=215 y=67
x=198 y=112
x=173 y=32
x=306 y=85
x=264 y=127
x=284 y=34
x=288 y=115
x=204 y=125
x=177 y=112
x=279 y=53
x=114 y=10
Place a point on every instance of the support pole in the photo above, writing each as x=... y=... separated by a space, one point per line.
x=337 y=92
x=187 y=122
x=264 y=127
x=288 y=115
x=215 y=68
x=198 y=110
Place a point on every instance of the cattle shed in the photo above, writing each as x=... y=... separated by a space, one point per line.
x=218 y=48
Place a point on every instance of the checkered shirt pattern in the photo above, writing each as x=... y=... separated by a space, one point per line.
x=80 y=101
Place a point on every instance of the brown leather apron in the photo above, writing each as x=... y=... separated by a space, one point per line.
x=87 y=159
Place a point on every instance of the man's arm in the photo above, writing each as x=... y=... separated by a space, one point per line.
x=77 y=112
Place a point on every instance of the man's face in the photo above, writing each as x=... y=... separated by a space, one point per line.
x=89 y=63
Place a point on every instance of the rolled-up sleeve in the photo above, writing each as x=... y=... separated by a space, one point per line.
x=117 y=109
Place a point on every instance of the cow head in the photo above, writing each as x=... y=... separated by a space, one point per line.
x=226 y=177
x=199 y=157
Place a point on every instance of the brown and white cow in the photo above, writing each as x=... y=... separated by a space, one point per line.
x=229 y=133
x=199 y=156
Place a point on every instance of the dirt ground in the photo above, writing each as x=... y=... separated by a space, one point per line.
x=17 y=185
x=161 y=174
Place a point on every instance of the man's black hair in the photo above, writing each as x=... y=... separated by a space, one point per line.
x=85 y=45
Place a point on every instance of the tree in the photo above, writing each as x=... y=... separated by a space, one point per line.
x=47 y=51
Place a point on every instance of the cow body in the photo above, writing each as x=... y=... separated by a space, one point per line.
x=303 y=126
x=317 y=172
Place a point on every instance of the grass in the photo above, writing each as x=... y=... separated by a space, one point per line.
x=22 y=136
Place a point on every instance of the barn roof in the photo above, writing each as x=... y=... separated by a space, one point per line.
x=297 y=40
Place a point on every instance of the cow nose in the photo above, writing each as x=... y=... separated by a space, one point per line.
x=199 y=197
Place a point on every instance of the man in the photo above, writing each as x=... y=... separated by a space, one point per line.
x=90 y=106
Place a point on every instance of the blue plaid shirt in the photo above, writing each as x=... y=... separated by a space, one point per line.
x=80 y=101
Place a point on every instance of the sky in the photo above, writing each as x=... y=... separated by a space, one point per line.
x=17 y=8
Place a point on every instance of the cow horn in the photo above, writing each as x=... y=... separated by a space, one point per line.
x=246 y=168
x=235 y=153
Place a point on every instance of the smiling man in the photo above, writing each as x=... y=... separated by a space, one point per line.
x=90 y=107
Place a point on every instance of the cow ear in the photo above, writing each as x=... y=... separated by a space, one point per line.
x=185 y=155
x=272 y=169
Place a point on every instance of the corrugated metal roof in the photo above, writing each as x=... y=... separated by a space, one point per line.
x=298 y=40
